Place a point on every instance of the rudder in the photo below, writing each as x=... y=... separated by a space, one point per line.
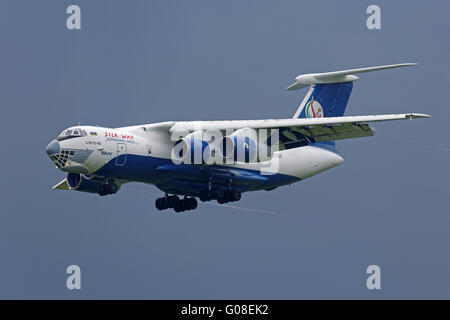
x=325 y=100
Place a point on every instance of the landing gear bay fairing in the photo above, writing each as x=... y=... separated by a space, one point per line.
x=218 y=160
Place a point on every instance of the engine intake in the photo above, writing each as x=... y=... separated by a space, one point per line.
x=192 y=149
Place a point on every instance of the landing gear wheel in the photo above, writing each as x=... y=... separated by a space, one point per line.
x=204 y=196
x=227 y=197
x=190 y=203
x=217 y=193
x=165 y=202
x=111 y=188
x=235 y=195
x=178 y=206
x=102 y=190
x=230 y=196
x=222 y=196
x=159 y=205
x=172 y=200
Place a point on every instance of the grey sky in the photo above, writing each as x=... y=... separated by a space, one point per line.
x=148 y=61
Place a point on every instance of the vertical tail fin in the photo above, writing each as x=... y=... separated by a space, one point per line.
x=325 y=100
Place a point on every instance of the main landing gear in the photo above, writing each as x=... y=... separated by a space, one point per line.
x=177 y=204
x=221 y=195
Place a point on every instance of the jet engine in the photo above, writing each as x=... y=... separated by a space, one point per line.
x=192 y=149
x=241 y=146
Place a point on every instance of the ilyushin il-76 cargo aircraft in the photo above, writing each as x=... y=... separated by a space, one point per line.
x=218 y=160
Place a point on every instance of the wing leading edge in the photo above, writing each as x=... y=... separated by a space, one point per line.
x=284 y=123
x=320 y=129
x=293 y=130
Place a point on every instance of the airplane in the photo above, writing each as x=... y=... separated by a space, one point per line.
x=219 y=160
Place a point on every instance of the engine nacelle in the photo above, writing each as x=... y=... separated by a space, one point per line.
x=241 y=146
x=85 y=183
x=192 y=149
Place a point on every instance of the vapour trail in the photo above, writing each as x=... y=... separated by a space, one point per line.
x=414 y=142
x=242 y=208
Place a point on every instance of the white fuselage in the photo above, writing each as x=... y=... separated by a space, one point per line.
x=105 y=145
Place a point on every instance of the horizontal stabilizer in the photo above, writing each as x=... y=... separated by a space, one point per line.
x=309 y=79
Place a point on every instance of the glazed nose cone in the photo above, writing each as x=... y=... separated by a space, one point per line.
x=52 y=148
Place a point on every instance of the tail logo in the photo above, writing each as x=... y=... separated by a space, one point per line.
x=314 y=109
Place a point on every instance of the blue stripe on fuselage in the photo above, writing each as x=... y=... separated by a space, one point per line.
x=160 y=171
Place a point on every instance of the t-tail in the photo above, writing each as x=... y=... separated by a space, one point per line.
x=330 y=91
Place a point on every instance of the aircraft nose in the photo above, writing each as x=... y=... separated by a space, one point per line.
x=52 y=148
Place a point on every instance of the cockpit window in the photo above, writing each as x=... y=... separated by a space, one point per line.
x=71 y=133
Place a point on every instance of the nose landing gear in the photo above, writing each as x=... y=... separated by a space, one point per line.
x=107 y=188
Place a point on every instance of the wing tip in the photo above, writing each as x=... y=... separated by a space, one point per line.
x=295 y=86
x=417 y=115
x=409 y=64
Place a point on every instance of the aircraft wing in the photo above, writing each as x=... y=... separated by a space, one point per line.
x=291 y=130
x=283 y=123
